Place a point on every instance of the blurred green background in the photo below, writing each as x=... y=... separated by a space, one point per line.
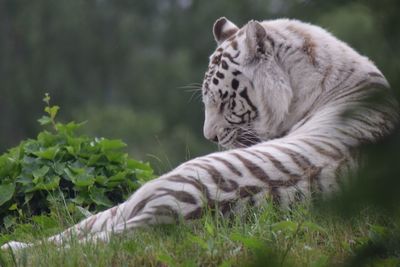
x=131 y=68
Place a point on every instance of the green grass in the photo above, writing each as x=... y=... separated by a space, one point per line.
x=259 y=237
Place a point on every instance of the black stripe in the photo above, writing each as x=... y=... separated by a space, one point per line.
x=321 y=150
x=216 y=176
x=375 y=74
x=249 y=191
x=195 y=214
x=228 y=165
x=142 y=204
x=229 y=56
x=139 y=206
x=255 y=170
x=164 y=210
x=312 y=172
x=277 y=164
x=332 y=146
x=246 y=97
x=271 y=40
x=180 y=195
x=192 y=181
x=299 y=159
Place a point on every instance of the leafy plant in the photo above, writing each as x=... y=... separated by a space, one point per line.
x=84 y=172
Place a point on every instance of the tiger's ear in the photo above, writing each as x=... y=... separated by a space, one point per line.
x=223 y=29
x=256 y=38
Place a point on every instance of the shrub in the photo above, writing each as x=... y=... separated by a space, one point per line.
x=93 y=173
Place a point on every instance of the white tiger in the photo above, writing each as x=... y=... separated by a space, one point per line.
x=291 y=101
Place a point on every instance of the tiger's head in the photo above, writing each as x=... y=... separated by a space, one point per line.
x=245 y=94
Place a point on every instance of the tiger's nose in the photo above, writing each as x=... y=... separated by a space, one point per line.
x=214 y=139
x=210 y=135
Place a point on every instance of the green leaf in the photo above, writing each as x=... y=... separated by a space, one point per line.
x=7 y=166
x=98 y=196
x=98 y=159
x=40 y=173
x=111 y=144
x=284 y=226
x=59 y=167
x=52 y=111
x=249 y=242
x=9 y=221
x=79 y=199
x=70 y=150
x=138 y=165
x=47 y=139
x=83 y=180
x=143 y=171
x=167 y=260
x=116 y=179
x=50 y=153
x=144 y=176
x=70 y=127
x=13 y=207
x=116 y=156
x=49 y=184
x=209 y=227
x=6 y=192
x=46 y=98
x=100 y=179
x=70 y=176
x=28 y=197
x=44 y=120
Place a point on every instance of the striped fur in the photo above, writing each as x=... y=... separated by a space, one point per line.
x=291 y=102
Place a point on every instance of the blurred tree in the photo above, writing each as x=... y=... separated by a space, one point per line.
x=145 y=57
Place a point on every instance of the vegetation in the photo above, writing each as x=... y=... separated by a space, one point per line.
x=358 y=227
x=132 y=70
x=259 y=237
x=83 y=172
